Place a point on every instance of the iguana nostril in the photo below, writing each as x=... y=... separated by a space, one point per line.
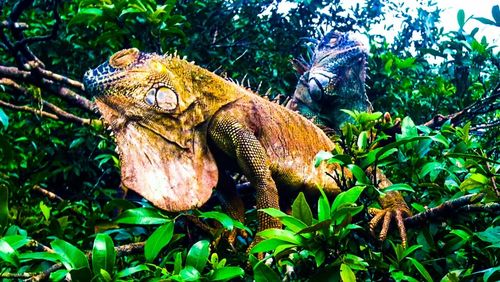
x=123 y=58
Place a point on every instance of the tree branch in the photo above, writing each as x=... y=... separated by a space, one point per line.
x=49 y=83
x=451 y=206
x=480 y=107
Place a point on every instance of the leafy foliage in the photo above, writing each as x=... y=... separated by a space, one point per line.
x=89 y=232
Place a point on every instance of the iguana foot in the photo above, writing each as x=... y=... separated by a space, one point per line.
x=393 y=206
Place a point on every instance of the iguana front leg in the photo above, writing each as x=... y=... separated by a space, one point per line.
x=393 y=206
x=240 y=143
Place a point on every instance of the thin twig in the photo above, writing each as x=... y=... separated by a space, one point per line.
x=47 y=193
x=16 y=25
x=28 y=109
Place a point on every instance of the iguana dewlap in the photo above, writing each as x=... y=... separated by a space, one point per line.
x=178 y=128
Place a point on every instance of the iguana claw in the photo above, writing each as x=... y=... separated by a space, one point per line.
x=393 y=206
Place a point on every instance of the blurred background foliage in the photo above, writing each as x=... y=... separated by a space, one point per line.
x=423 y=72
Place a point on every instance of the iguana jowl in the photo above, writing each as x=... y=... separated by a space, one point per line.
x=178 y=128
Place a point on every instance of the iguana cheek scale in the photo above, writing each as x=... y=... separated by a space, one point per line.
x=174 y=153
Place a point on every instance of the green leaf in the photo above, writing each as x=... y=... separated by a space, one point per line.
x=340 y=159
x=291 y=222
x=58 y=275
x=8 y=254
x=301 y=209
x=132 y=270
x=347 y=197
x=85 y=15
x=228 y=222
x=280 y=234
x=322 y=156
x=489 y=272
x=480 y=178
x=4 y=208
x=476 y=180
x=267 y=245
x=461 y=18
x=359 y=173
x=144 y=216
x=263 y=273
x=441 y=139
x=363 y=140
x=45 y=210
x=4 y=119
x=388 y=66
x=323 y=207
x=105 y=275
x=490 y=235
x=406 y=63
x=399 y=187
x=41 y=256
x=227 y=273
x=375 y=154
x=189 y=273
x=103 y=254
x=421 y=269
x=16 y=241
x=158 y=240
x=197 y=256
x=82 y=274
x=471 y=156
x=71 y=256
x=408 y=251
x=77 y=142
x=177 y=262
x=346 y=273
x=318 y=226
x=495 y=11
x=408 y=128
x=431 y=167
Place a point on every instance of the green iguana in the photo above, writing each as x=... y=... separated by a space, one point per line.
x=179 y=127
x=334 y=79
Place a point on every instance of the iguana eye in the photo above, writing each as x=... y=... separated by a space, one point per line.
x=166 y=98
x=150 y=97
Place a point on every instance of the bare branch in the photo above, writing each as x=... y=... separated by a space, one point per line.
x=50 y=84
x=60 y=78
x=28 y=109
x=444 y=209
x=47 y=193
x=63 y=115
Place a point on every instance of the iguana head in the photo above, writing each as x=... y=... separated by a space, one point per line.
x=333 y=80
x=158 y=108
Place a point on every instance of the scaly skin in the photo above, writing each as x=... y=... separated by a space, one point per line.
x=179 y=128
x=334 y=79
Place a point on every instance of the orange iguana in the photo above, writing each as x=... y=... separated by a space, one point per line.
x=179 y=128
